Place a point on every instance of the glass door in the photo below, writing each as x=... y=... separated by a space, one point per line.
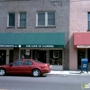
x=81 y=54
x=2 y=57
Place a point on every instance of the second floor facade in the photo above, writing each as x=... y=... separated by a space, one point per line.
x=34 y=16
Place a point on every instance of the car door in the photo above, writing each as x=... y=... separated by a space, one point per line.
x=26 y=68
x=15 y=67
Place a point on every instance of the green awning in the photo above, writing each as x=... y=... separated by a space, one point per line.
x=50 y=40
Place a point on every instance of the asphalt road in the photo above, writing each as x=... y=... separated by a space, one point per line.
x=49 y=82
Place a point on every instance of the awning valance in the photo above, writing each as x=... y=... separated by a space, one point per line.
x=35 y=40
x=82 y=40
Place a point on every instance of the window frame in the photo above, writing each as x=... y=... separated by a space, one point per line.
x=19 y=25
x=88 y=21
x=8 y=19
x=46 y=19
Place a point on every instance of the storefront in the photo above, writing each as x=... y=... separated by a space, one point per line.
x=46 y=47
x=82 y=45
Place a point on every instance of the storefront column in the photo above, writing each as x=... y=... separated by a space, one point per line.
x=16 y=53
x=31 y=54
x=62 y=59
x=47 y=57
x=7 y=56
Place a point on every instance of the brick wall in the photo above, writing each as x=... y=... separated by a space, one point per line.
x=31 y=7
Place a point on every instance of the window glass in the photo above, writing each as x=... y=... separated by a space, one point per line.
x=51 y=18
x=55 y=57
x=22 y=19
x=46 y=18
x=27 y=62
x=88 y=21
x=11 y=19
x=41 y=18
x=17 y=63
x=55 y=54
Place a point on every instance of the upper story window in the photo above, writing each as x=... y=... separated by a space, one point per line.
x=89 y=21
x=11 y=19
x=45 y=19
x=22 y=19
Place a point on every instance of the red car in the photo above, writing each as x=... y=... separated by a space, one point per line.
x=25 y=66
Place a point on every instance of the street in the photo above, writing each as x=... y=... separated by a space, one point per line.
x=49 y=82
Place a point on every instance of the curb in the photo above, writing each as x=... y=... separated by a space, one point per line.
x=69 y=73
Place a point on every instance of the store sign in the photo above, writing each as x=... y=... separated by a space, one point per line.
x=7 y=46
x=83 y=46
x=39 y=46
x=30 y=46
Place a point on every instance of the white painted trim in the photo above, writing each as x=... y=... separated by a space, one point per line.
x=36 y=19
x=56 y=67
x=18 y=19
x=8 y=20
x=46 y=18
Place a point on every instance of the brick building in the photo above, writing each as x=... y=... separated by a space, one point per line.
x=79 y=33
x=37 y=29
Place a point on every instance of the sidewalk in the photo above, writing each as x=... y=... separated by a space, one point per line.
x=70 y=72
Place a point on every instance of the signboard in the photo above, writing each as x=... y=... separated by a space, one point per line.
x=40 y=46
x=7 y=46
x=31 y=46
x=83 y=46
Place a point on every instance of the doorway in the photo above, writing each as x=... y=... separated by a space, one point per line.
x=81 y=54
x=2 y=57
x=42 y=56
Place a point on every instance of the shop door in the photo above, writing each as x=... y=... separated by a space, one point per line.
x=81 y=54
x=2 y=57
x=88 y=54
x=42 y=56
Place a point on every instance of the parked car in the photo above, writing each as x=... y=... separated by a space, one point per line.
x=25 y=66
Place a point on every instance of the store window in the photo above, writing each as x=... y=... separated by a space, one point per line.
x=25 y=54
x=55 y=54
x=22 y=53
x=55 y=57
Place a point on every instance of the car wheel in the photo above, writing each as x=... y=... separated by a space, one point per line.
x=36 y=73
x=2 y=72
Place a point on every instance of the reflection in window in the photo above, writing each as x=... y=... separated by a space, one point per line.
x=27 y=62
x=17 y=63
x=55 y=54
x=55 y=57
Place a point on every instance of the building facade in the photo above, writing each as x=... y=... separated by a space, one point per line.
x=37 y=29
x=79 y=33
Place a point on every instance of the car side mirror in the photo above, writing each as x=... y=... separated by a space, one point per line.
x=11 y=65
